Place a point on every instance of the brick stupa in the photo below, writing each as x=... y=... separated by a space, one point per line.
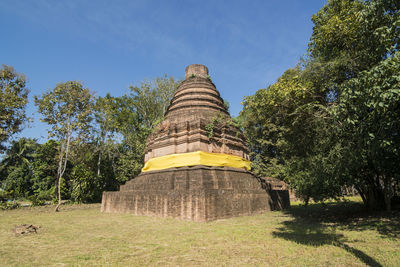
x=196 y=163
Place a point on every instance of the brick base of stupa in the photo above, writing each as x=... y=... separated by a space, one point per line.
x=198 y=193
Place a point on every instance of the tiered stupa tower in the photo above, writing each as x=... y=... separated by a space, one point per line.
x=196 y=163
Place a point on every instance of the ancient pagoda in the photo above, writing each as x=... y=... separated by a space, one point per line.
x=196 y=163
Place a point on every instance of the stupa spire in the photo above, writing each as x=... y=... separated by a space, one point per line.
x=196 y=96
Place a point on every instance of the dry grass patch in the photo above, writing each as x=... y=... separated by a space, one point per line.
x=334 y=234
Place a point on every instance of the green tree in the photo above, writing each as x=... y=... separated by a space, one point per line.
x=350 y=36
x=45 y=159
x=151 y=99
x=267 y=118
x=16 y=168
x=86 y=187
x=289 y=133
x=369 y=112
x=355 y=46
x=86 y=184
x=342 y=129
x=109 y=119
x=13 y=99
x=139 y=112
x=68 y=110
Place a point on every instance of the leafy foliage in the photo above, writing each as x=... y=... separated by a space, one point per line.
x=13 y=99
x=141 y=111
x=333 y=121
x=68 y=110
x=86 y=156
x=16 y=168
x=45 y=170
x=267 y=119
x=369 y=113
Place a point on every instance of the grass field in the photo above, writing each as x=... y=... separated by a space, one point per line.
x=333 y=234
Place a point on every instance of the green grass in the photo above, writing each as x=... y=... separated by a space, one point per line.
x=333 y=234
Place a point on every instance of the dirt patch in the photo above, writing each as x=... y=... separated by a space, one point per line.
x=25 y=229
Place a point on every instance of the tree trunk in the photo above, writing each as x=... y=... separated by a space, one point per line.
x=62 y=166
x=369 y=197
x=59 y=195
x=99 y=163
x=101 y=147
x=112 y=160
x=387 y=193
x=362 y=195
x=306 y=200
x=59 y=171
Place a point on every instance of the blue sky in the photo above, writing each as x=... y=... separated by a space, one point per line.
x=109 y=45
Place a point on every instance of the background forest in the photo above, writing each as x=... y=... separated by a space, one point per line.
x=329 y=123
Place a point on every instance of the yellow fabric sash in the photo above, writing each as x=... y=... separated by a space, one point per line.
x=195 y=158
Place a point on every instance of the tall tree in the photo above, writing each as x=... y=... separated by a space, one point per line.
x=13 y=99
x=368 y=117
x=108 y=124
x=151 y=99
x=68 y=110
x=267 y=118
x=335 y=122
x=139 y=112
x=356 y=44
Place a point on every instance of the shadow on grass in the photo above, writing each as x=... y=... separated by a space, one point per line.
x=316 y=225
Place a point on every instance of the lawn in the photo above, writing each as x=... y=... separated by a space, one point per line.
x=333 y=234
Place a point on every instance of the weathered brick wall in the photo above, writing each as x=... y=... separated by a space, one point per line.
x=198 y=193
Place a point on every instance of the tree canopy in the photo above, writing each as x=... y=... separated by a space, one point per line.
x=13 y=99
x=68 y=110
x=333 y=121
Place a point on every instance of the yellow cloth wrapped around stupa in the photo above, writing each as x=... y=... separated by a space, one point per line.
x=196 y=158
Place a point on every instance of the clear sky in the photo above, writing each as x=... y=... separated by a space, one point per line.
x=109 y=45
